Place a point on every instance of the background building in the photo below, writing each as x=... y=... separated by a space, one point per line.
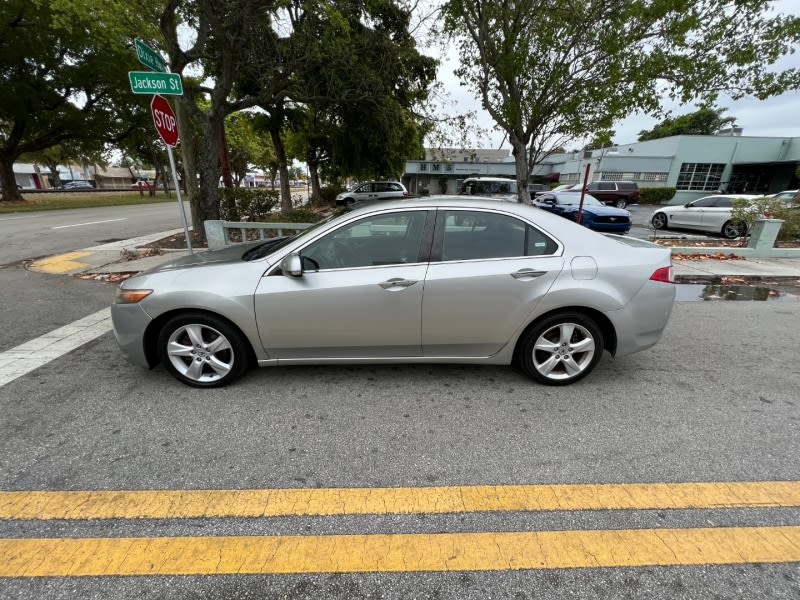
x=695 y=165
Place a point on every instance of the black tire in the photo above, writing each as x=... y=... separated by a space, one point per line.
x=561 y=349
x=621 y=203
x=659 y=221
x=202 y=350
x=732 y=230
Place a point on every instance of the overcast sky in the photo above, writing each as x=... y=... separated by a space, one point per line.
x=778 y=116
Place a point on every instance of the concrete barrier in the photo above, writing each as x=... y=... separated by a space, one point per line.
x=218 y=233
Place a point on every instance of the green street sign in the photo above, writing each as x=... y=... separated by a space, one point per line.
x=149 y=57
x=145 y=82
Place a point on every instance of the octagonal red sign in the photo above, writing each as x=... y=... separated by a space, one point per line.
x=164 y=120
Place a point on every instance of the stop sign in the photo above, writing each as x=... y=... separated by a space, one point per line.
x=165 y=121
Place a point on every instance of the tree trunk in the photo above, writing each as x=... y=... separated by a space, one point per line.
x=7 y=180
x=208 y=168
x=316 y=189
x=188 y=154
x=280 y=154
x=520 y=151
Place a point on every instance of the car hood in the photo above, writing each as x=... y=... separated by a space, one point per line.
x=231 y=254
x=607 y=211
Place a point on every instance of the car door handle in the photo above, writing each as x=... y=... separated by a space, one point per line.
x=527 y=274
x=396 y=282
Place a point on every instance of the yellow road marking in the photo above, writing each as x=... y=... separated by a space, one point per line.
x=399 y=552
x=60 y=263
x=165 y=504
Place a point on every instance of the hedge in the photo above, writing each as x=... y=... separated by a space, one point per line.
x=656 y=195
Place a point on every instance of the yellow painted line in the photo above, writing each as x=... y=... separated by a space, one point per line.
x=398 y=552
x=166 y=504
x=60 y=263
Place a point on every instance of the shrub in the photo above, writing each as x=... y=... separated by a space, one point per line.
x=747 y=211
x=251 y=204
x=297 y=215
x=329 y=194
x=656 y=195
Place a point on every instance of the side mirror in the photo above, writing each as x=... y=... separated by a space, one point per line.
x=292 y=265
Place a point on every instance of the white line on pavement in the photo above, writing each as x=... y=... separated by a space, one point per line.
x=31 y=355
x=90 y=223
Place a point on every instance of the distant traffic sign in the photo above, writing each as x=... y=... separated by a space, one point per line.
x=145 y=82
x=149 y=57
x=164 y=120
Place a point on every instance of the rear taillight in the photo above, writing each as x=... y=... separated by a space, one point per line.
x=664 y=275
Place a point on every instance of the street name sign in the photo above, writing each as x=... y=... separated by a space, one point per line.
x=164 y=120
x=145 y=82
x=149 y=57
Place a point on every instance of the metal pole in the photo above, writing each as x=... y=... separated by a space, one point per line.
x=180 y=200
x=583 y=193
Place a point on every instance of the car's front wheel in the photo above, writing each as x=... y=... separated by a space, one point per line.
x=733 y=230
x=621 y=203
x=202 y=350
x=561 y=349
x=659 y=221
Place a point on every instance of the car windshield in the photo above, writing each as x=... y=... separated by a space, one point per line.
x=575 y=199
x=274 y=244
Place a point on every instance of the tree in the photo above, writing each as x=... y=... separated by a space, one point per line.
x=226 y=35
x=705 y=121
x=549 y=70
x=63 y=67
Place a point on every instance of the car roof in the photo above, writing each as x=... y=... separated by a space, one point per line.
x=746 y=196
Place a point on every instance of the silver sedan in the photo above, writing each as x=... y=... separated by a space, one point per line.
x=436 y=280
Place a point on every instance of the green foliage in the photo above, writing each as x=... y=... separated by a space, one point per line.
x=329 y=194
x=551 y=71
x=747 y=211
x=297 y=215
x=251 y=204
x=64 y=70
x=656 y=195
x=705 y=121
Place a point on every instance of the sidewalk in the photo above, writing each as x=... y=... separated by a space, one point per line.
x=109 y=259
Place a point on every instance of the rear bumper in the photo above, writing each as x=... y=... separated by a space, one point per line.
x=641 y=323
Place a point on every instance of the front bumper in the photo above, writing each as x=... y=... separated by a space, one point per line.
x=130 y=322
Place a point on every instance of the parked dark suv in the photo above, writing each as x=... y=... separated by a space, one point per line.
x=615 y=193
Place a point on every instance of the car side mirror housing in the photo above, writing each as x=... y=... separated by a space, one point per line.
x=292 y=265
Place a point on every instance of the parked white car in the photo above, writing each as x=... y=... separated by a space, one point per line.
x=372 y=191
x=711 y=214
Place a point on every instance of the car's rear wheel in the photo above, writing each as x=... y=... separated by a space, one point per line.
x=621 y=203
x=733 y=230
x=202 y=350
x=561 y=349
x=659 y=221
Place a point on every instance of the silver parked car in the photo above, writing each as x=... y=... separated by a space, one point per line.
x=444 y=279
x=711 y=214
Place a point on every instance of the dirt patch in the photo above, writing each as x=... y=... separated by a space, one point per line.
x=177 y=242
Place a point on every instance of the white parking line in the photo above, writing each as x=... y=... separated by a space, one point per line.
x=90 y=223
x=31 y=355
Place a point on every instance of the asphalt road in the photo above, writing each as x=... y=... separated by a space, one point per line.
x=715 y=401
x=35 y=234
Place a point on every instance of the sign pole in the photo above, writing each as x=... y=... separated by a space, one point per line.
x=180 y=200
x=161 y=82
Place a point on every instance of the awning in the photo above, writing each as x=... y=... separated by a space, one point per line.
x=555 y=176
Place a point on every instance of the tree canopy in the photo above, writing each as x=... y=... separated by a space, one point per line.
x=550 y=70
x=705 y=121
x=64 y=71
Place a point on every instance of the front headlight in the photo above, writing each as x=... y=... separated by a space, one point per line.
x=124 y=296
